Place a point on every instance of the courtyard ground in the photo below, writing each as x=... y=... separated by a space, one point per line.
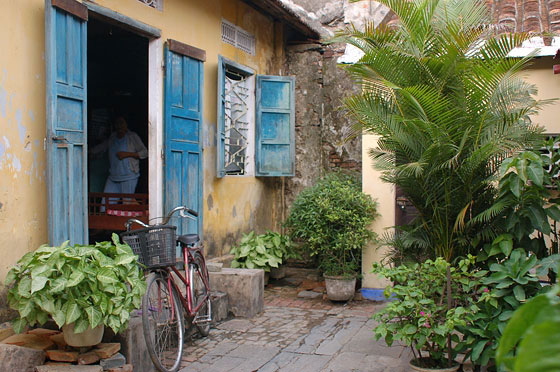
x=297 y=334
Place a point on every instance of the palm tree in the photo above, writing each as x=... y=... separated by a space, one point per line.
x=448 y=105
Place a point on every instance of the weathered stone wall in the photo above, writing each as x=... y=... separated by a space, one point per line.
x=321 y=123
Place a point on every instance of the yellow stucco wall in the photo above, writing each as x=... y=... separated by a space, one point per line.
x=548 y=84
x=230 y=206
x=540 y=74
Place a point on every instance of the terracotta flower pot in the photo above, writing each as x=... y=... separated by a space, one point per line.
x=425 y=369
x=340 y=288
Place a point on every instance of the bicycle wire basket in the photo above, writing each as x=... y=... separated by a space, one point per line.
x=154 y=246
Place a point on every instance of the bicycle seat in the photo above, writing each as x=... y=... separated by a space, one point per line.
x=188 y=239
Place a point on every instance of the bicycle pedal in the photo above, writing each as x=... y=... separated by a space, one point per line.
x=202 y=319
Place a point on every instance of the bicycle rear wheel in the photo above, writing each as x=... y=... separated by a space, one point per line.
x=198 y=275
x=162 y=322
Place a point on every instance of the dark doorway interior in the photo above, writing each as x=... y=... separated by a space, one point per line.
x=117 y=86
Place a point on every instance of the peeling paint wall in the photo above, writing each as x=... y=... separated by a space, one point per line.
x=231 y=206
x=23 y=214
x=322 y=125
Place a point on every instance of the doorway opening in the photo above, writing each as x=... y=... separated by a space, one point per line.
x=117 y=79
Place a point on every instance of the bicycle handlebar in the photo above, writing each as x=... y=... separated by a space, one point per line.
x=181 y=209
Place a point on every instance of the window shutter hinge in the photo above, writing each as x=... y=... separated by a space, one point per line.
x=162 y=154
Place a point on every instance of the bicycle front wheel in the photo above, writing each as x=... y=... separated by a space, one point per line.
x=198 y=275
x=162 y=322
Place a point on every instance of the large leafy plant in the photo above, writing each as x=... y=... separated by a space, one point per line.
x=531 y=339
x=447 y=105
x=429 y=304
x=86 y=285
x=510 y=279
x=332 y=219
x=263 y=251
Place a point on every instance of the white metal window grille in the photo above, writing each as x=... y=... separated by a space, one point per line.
x=237 y=93
x=156 y=4
x=228 y=33
x=245 y=42
x=239 y=38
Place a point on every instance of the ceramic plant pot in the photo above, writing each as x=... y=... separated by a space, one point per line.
x=278 y=272
x=340 y=288
x=89 y=337
x=423 y=369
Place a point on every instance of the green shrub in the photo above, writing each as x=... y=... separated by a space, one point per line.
x=262 y=251
x=86 y=285
x=332 y=218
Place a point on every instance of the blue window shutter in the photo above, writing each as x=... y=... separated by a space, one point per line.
x=182 y=144
x=220 y=135
x=275 y=126
x=66 y=123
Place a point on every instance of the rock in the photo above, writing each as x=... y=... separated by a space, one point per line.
x=133 y=346
x=88 y=358
x=319 y=289
x=30 y=341
x=43 y=332
x=58 y=339
x=308 y=285
x=116 y=361
x=309 y=294
x=21 y=359
x=214 y=266
x=6 y=331
x=244 y=288
x=125 y=368
x=219 y=302
x=107 y=350
x=68 y=368
x=62 y=355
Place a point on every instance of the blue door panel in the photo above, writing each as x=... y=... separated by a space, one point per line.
x=275 y=94
x=182 y=163
x=65 y=57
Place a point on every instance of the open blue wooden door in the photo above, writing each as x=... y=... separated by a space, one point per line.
x=183 y=118
x=66 y=116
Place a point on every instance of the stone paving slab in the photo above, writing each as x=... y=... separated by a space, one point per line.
x=290 y=339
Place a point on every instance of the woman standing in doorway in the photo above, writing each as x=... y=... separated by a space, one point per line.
x=125 y=149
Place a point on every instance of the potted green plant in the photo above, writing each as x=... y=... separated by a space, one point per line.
x=332 y=219
x=428 y=305
x=266 y=251
x=81 y=287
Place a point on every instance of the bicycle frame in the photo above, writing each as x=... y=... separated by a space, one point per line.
x=186 y=300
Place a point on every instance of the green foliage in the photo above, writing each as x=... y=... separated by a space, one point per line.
x=447 y=105
x=524 y=206
x=86 y=285
x=262 y=251
x=331 y=218
x=510 y=279
x=531 y=339
x=419 y=315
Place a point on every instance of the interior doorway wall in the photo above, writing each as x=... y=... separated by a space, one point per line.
x=117 y=87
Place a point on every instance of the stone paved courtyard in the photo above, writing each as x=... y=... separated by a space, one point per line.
x=296 y=334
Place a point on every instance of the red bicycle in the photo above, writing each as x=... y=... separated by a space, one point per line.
x=167 y=287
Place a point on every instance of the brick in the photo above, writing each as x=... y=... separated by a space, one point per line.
x=21 y=359
x=107 y=350
x=5 y=331
x=62 y=355
x=29 y=341
x=43 y=332
x=88 y=358
x=58 y=339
